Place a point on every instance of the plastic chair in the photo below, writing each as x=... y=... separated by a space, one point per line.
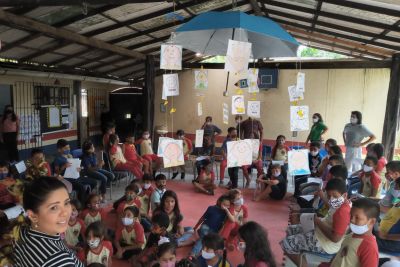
x=119 y=175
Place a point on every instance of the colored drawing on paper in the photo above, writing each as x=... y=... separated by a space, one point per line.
x=298 y=162
x=299 y=118
x=170 y=85
x=200 y=79
x=252 y=79
x=239 y=153
x=253 y=109
x=237 y=56
x=301 y=77
x=199 y=109
x=171 y=57
x=255 y=145
x=238 y=105
x=225 y=113
x=172 y=152
x=294 y=94
x=199 y=138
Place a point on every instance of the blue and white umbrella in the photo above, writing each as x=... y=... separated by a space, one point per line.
x=209 y=33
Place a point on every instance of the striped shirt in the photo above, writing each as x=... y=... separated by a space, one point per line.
x=36 y=249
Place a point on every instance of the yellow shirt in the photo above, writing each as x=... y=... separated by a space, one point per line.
x=281 y=154
x=146 y=148
x=73 y=232
x=391 y=219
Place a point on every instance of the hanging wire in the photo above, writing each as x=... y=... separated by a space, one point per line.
x=84 y=8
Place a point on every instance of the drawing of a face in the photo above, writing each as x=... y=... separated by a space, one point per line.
x=254 y=108
x=171 y=54
x=239 y=104
x=171 y=83
x=172 y=152
x=298 y=160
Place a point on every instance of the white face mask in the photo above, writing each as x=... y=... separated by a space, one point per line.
x=242 y=246
x=336 y=202
x=367 y=168
x=207 y=255
x=353 y=120
x=329 y=166
x=276 y=174
x=127 y=221
x=314 y=153
x=315 y=120
x=239 y=202
x=396 y=193
x=94 y=243
x=146 y=186
x=359 y=229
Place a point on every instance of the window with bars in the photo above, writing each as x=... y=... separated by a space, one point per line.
x=51 y=95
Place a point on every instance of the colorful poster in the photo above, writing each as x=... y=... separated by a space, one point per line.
x=299 y=118
x=298 y=162
x=199 y=109
x=253 y=80
x=237 y=56
x=294 y=94
x=199 y=138
x=200 y=79
x=171 y=57
x=238 y=105
x=301 y=77
x=225 y=113
x=253 y=109
x=160 y=141
x=170 y=85
x=240 y=153
x=172 y=152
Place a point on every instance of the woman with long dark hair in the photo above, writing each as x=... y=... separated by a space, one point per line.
x=318 y=129
x=10 y=130
x=253 y=241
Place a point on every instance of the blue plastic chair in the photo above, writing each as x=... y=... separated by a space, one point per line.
x=323 y=153
x=266 y=151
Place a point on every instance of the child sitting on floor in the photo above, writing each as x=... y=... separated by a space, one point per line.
x=328 y=232
x=93 y=211
x=280 y=150
x=392 y=197
x=144 y=197
x=205 y=181
x=130 y=153
x=129 y=238
x=213 y=253
x=131 y=199
x=7 y=200
x=161 y=184
x=74 y=236
x=166 y=255
x=371 y=183
x=98 y=249
x=237 y=216
x=187 y=149
x=314 y=158
x=273 y=185
x=211 y=221
x=359 y=249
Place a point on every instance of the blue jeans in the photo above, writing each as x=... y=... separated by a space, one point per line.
x=388 y=245
x=103 y=176
x=203 y=231
x=146 y=224
x=187 y=234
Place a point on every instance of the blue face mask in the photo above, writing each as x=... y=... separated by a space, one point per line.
x=66 y=152
x=3 y=175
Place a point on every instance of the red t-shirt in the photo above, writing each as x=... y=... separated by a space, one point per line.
x=137 y=232
x=89 y=216
x=243 y=213
x=130 y=153
x=375 y=179
x=341 y=219
x=124 y=204
x=203 y=176
x=381 y=165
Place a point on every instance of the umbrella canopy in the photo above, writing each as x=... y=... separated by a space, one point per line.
x=208 y=33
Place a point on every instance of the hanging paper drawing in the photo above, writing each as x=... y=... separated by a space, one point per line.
x=298 y=162
x=253 y=80
x=237 y=56
x=294 y=94
x=238 y=105
x=171 y=151
x=299 y=118
x=239 y=153
x=300 y=82
x=253 y=109
x=171 y=84
x=199 y=138
x=200 y=79
x=199 y=109
x=171 y=57
x=225 y=113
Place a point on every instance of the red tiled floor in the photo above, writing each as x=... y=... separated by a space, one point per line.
x=273 y=215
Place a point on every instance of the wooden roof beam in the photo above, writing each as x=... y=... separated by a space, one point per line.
x=16 y=3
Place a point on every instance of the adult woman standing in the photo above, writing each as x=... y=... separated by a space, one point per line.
x=353 y=135
x=318 y=129
x=48 y=207
x=10 y=130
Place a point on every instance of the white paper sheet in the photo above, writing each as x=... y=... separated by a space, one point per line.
x=170 y=85
x=238 y=106
x=54 y=117
x=14 y=212
x=237 y=56
x=294 y=94
x=300 y=81
x=21 y=167
x=159 y=147
x=253 y=109
x=172 y=152
x=314 y=180
x=307 y=222
x=72 y=171
x=240 y=153
x=299 y=118
x=280 y=162
x=253 y=80
x=201 y=79
x=171 y=57
x=298 y=162
x=199 y=109
x=199 y=138
x=225 y=113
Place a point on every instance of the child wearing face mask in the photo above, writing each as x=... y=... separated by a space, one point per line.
x=314 y=159
x=146 y=150
x=131 y=199
x=280 y=150
x=371 y=183
x=98 y=249
x=213 y=253
x=237 y=216
x=359 y=249
x=233 y=171
x=129 y=237
x=166 y=255
x=187 y=149
x=144 y=197
x=7 y=200
x=130 y=153
x=93 y=211
x=392 y=174
x=273 y=185
x=74 y=236
x=205 y=181
x=328 y=232
x=161 y=184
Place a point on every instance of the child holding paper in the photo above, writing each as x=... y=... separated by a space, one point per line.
x=273 y=184
x=314 y=158
x=280 y=150
x=329 y=232
x=232 y=171
x=187 y=149
x=371 y=183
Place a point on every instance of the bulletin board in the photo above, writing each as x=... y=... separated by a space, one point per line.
x=54 y=118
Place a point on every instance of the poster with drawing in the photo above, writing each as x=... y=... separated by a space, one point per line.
x=171 y=57
x=54 y=117
x=294 y=94
x=238 y=105
x=199 y=109
x=160 y=141
x=252 y=80
x=199 y=138
x=201 y=79
x=298 y=162
x=170 y=85
x=172 y=152
x=253 y=109
x=240 y=153
x=255 y=145
x=301 y=77
x=237 y=56
x=225 y=113
x=299 y=118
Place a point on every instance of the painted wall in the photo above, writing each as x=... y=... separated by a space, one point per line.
x=332 y=92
